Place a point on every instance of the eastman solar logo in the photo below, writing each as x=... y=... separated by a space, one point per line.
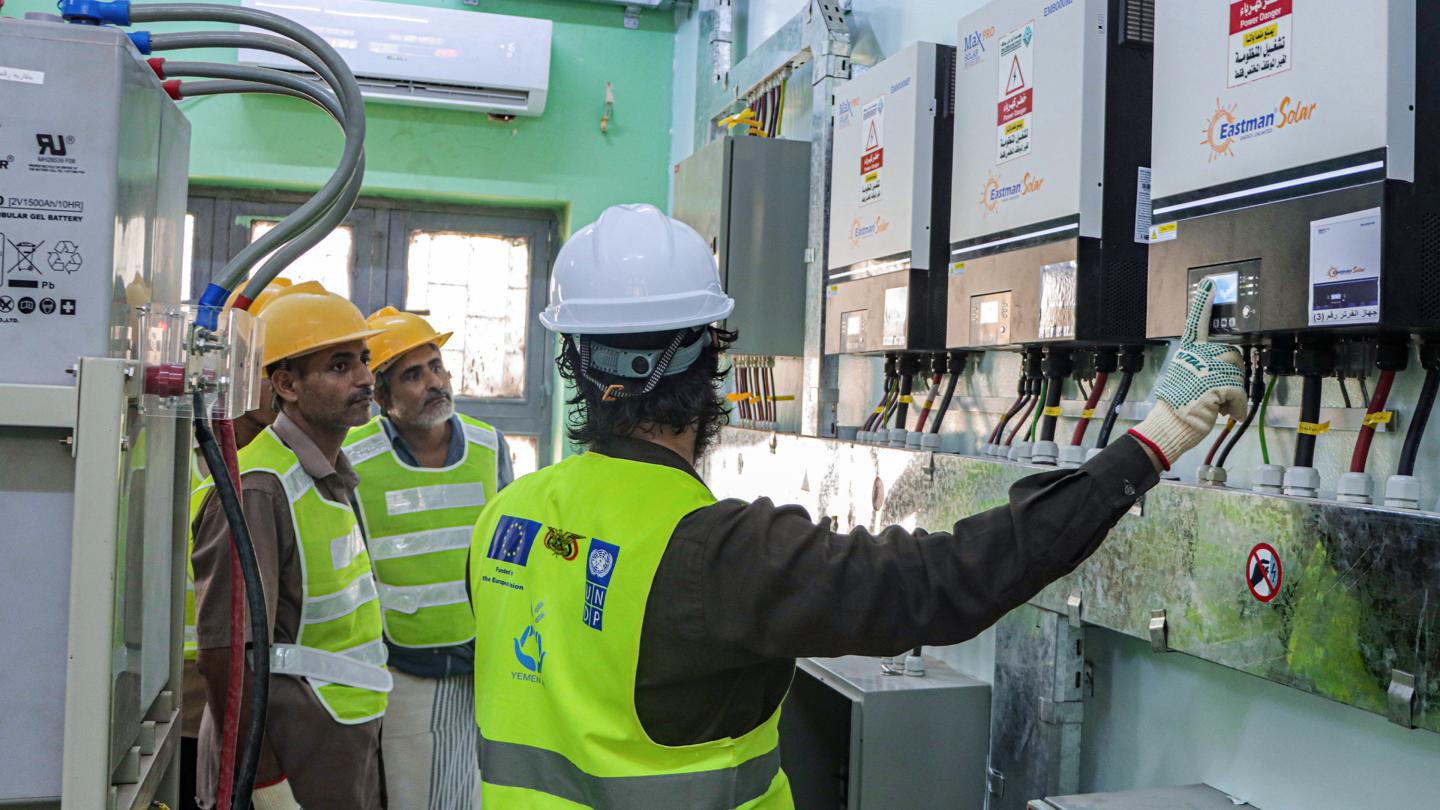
x=860 y=231
x=996 y=192
x=1224 y=128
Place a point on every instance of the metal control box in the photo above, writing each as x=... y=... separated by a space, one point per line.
x=1286 y=165
x=1049 y=209
x=749 y=197
x=853 y=737
x=890 y=205
x=93 y=183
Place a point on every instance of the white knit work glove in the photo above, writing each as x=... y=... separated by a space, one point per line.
x=274 y=797
x=1202 y=382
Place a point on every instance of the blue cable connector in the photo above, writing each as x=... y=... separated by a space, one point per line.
x=96 y=12
x=211 y=302
x=141 y=40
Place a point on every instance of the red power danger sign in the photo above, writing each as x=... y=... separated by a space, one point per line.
x=1017 y=106
x=1248 y=14
x=1263 y=572
x=870 y=161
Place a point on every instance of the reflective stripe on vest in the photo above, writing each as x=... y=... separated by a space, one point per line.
x=340 y=645
x=561 y=569
x=362 y=667
x=419 y=521
x=199 y=487
x=525 y=766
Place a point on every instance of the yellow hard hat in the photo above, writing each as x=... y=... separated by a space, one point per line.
x=300 y=323
x=400 y=332
x=273 y=290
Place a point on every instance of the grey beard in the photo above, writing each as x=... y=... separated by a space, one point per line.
x=428 y=419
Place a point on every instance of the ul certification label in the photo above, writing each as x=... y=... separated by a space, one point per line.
x=1017 y=93
x=1260 y=40
x=1263 y=572
x=872 y=156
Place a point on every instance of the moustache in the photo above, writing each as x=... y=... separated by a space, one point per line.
x=363 y=395
x=438 y=396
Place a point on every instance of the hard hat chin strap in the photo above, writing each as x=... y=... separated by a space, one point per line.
x=651 y=366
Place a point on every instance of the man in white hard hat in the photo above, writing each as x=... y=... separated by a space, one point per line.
x=646 y=667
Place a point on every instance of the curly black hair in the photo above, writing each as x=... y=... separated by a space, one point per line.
x=689 y=400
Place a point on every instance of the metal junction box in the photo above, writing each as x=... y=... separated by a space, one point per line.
x=1049 y=214
x=890 y=205
x=750 y=198
x=1286 y=165
x=93 y=181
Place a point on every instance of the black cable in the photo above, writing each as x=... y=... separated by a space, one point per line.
x=998 y=436
x=1257 y=393
x=907 y=383
x=1309 y=414
x=255 y=601
x=1344 y=390
x=1113 y=412
x=944 y=403
x=1052 y=400
x=1416 y=432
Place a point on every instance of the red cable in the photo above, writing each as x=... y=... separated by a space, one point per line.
x=234 y=684
x=929 y=403
x=1367 y=432
x=1095 y=391
x=1023 y=420
x=1219 y=440
x=770 y=404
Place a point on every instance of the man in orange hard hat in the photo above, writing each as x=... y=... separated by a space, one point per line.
x=425 y=474
x=329 y=685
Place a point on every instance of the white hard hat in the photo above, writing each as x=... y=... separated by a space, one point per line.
x=634 y=270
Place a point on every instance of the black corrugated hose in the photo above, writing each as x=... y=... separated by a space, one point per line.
x=1426 y=403
x=1309 y=413
x=1113 y=412
x=939 y=415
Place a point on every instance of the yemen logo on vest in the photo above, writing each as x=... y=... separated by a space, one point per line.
x=563 y=544
x=530 y=648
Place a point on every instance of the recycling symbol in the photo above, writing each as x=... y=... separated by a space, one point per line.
x=65 y=257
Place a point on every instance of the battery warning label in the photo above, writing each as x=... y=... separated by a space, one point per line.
x=1016 y=106
x=872 y=158
x=1260 y=40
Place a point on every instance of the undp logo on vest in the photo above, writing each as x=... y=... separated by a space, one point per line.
x=599 y=566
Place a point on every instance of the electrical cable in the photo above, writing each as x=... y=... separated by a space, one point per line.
x=907 y=387
x=1364 y=393
x=1257 y=392
x=1264 y=408
x=1054 y=388
x=1361 y=455
x=1309 y=415
x=227 y=490
x=1080 y=386
x=880 y=408
x=1220 y=440
x=318 y=205
x=1030 y=401
x=1091 y=401
x=1113 y=412
x=1411 y=450
x=1042 y=399
x=1344 y=390
x=929 y=403
x=945 y=401
x=999 y=432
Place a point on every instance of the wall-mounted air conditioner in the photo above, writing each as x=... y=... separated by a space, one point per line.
x=428 y=57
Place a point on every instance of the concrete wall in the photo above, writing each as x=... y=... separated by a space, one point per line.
x=1167 y=719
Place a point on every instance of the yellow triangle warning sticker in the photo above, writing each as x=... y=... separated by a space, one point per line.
x=1016 y=82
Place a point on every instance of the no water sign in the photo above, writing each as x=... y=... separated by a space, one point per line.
x=1263 y=573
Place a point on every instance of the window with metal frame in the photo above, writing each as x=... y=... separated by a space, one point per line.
x=479 y=273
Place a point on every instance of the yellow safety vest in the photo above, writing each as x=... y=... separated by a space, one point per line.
x=561 y=567
x=340 y=650
x=418 y=521
x=199 y=487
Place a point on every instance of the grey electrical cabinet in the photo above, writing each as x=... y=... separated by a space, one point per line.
x=855 y=738
x=750 y=198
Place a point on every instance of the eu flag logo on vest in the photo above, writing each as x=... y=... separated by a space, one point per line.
x=512 y=540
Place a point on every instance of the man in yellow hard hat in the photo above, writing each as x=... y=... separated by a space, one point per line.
x=199 y=770
x=425 y=474
x=329 y=684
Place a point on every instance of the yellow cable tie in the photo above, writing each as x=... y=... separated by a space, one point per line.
x=1053 y=410
x=1088 y=413
x=737 y=397
x=906 y=400
x=783 y=398
x=880 y=409
x=1379 y=418
x=1313 y=429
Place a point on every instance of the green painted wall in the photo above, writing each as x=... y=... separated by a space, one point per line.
x=559 y=161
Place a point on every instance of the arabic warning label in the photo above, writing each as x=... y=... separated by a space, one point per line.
x=1260 y=40
x=1016 y=106
x=872 y=157
x=1263 y=573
